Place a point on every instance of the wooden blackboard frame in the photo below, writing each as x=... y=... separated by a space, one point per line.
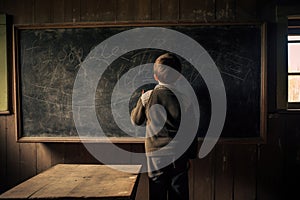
x=20 y=138
x=5 y=70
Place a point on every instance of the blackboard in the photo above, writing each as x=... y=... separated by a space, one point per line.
x=48 y=59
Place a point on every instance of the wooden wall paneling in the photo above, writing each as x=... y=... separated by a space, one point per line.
x=42 y=11
x=246 y=10
x=71 y=11
x=23 y=11
x=142 y=10
x=195 y=10
x=12 y=154
x=203 y=177
x=3 y=153
x=28 y=160
x=224 y=172
x=8 y=7
x=225 y=10
x=270 y=163
x=89 y=10
x=57 y=153
x=2 y=6
x=107 y=10
x=125 y=10
x=292 y=157
x=77 y=153
x=155 y=9
x=43 y=157
x=244 y=161
x=269 y=176
x=58 y=8
x=169 y=10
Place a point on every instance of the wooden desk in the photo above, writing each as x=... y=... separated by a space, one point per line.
x=68 y=181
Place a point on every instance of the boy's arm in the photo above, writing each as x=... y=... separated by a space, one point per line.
x=138 y=115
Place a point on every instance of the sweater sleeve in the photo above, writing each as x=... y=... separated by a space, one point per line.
x=138 y=115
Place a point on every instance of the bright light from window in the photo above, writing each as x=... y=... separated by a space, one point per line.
x=294 y=88
x=294 y=38
x=294 y=57
x=294 y=68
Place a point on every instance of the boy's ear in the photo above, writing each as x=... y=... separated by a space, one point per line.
x=155 y=77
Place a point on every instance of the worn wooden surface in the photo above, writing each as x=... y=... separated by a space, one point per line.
x=75 y=181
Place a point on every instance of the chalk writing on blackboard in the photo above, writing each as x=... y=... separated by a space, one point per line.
x=49 y=59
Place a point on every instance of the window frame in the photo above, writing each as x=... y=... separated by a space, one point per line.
x=293 y=30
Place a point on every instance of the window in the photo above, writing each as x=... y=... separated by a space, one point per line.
x=294 y=64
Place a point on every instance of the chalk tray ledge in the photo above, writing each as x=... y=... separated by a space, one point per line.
x=80 y=140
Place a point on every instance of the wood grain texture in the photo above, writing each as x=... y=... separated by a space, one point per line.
x=245 y=170
x=246 y=10
x=57 y=11
x=203 y=175
x=125 y=10
x=28 y=160
x=43 y=157
x=155 y=9
x=3 y=153
x=79 y=181
x=142 y=10
x=42 y=11
x=169 y=10
x=12 y=154
x=107 y=10
x=223 y=173
x=194 y=10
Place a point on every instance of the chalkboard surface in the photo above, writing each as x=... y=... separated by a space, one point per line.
x=49 y=59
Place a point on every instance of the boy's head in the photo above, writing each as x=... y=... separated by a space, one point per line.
x=167 y=68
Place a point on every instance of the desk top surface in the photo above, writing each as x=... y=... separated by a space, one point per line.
x=79 y=181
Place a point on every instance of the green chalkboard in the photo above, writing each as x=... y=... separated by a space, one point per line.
x=48 y=60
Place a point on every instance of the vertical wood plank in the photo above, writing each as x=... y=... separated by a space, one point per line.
x=292 y=157
x=246 y=10
x=89 y=10
x=2 y=6
x=72 y=11
x=43 y=160
x=125 y=10
x=68 y=11
x=224 y=173
x=203 y=173
x=142 y=9
x=169 y=10
x=3 y=135
x=24 y=12
x=57 y=153
x=77 y=153
x=194 y=10
x=107 y=10
x=245 y=171
x=57 y=10
x=42 y=11
x=28 y=166
x=269 y=166
x=155 y=9
x=225 y=10
x=12 y=154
